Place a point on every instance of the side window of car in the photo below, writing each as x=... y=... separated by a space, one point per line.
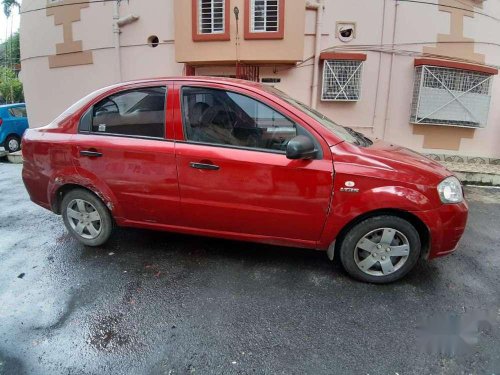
x=18 y=112
x=227 y=118
x=138 y=112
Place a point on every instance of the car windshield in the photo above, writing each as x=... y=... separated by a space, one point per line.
x=344 y=133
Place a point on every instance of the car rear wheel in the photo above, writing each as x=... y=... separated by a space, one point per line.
x=380 y=249
x=12 y=143
x=86 y=217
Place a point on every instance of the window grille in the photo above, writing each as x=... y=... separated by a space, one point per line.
x=446 y=96
x=265 y=15
x=341 y=80
x=211 y=16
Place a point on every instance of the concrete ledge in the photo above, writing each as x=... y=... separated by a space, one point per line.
x=475 y=174
x=15 y=157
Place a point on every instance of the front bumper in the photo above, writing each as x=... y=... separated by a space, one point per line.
x=446 y=225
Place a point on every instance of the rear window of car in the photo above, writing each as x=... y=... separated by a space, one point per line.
x=17 y=112
x=137 y=113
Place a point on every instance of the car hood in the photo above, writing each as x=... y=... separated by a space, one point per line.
x=401 y=162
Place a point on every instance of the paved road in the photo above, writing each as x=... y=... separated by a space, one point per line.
x=159 y=303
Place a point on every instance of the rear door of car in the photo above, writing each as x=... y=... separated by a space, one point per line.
x=124 y=143
x=19 y=119
x=247 y=185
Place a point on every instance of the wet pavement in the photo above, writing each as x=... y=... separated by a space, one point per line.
x=160 y=303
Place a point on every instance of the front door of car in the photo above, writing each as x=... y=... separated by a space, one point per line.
x=122 y=145
x=234 y=176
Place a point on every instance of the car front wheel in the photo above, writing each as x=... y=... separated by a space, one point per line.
x=380 y=249
x=86 y=217
x=12 y=143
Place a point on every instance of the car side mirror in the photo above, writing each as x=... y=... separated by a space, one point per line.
x=301 y=147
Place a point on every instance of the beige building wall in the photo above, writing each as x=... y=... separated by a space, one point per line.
x=392 y=34
x=288 y=49
x=49 y=91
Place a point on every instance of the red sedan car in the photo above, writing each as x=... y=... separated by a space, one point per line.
x=238 y=160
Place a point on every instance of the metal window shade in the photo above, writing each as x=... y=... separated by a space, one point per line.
x=211 y=16
x=264 y=15
x=341 y=80
x=454 y=97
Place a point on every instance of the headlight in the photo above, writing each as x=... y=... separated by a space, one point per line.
x=450 y=190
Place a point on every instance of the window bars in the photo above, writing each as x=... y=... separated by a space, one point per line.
x=341 y=80
x=211 y=16
x=264 y=15
x=454 y=97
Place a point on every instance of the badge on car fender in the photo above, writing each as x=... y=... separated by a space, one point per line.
x=349 y=187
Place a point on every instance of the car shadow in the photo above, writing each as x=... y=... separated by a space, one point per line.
x=153 y=248
x=163 y=244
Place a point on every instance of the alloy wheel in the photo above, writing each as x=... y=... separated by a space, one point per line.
x=382 y=252
x=13 y=145
x=84 y=219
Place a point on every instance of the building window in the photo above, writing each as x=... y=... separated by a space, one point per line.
x=341 y=80
x=264 y=14
x=449 y=96
x=210 y=20
x=264 y=19
x=211 y=16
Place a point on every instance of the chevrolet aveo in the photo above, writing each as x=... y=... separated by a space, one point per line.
x=238 y=160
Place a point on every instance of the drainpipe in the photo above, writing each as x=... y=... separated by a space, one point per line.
x=116 y=37
x=118 y=23
x=319 y=8
x=382 y=39
x=388 y=99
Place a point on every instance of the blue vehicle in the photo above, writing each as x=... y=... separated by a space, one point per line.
x=13 y=124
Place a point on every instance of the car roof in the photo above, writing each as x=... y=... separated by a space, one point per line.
x=12 y=105
x=203 y=79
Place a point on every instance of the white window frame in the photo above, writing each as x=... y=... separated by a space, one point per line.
x=450 y=100
x=264 y=28
x=342 y=81
x=214 y=7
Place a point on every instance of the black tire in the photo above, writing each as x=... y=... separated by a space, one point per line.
x=349 y=247
x=8 y=145
x=105 y=226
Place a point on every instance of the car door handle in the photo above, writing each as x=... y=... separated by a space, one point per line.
x=91 y=154
x=209 y=167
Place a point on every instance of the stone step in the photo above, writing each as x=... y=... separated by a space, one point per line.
x=475 y=174
x=15 y=157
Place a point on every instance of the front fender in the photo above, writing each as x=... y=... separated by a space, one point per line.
x=347 y=206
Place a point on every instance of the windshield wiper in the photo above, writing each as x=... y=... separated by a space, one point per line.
x=361 y=140
x=367 y=140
